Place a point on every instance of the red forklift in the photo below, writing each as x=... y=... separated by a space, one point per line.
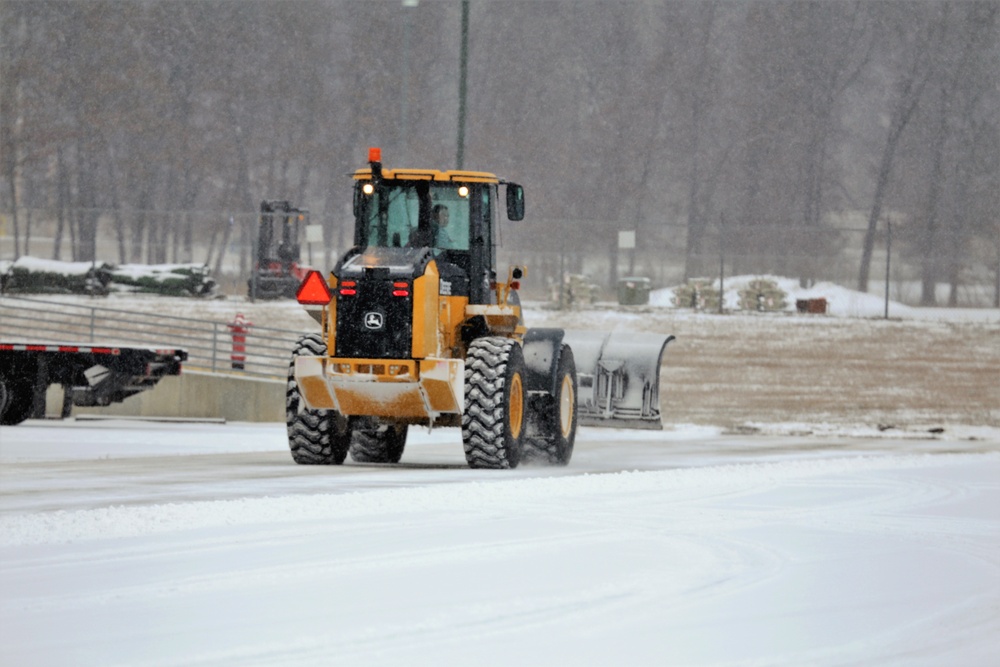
x=277 y=271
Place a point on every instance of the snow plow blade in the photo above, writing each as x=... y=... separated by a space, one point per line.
x=619 y=377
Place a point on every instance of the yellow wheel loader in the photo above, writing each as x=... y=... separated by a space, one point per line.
x=418 y=329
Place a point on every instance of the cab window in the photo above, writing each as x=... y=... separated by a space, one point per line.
x=414 y=213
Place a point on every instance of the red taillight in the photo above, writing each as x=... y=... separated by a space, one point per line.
x=400 y=292
x=347 y=288
x=313 y=291
x=401 y=288
x=348 y=292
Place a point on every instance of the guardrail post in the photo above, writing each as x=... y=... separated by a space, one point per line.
x=215 y=343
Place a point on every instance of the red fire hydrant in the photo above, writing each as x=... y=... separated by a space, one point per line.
x=239 y=328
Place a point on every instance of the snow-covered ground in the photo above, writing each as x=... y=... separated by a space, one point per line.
x=773 y=543
x=202 y=544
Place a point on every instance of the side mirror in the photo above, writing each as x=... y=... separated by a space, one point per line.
x=515 y=202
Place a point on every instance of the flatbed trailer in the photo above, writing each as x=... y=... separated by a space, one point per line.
x=90 y=374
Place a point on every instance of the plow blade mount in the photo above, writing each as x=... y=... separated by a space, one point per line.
x=412 y=391
x=619 y=377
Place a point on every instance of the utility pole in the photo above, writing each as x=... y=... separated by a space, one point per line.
x=888 y=255
x=722 y=261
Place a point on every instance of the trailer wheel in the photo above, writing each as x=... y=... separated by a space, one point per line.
x=552 y=419
x=314 y=436
x=383 y=444
x=16 y=399
x=493 y=423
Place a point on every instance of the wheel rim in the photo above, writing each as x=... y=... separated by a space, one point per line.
x=567 y=404
x=516 y=407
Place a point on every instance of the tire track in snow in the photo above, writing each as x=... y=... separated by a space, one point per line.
x=677 y=548
x=125 y=521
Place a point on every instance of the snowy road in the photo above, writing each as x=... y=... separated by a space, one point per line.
x=122 y=544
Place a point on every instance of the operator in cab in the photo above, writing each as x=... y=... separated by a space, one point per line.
x=435 y=234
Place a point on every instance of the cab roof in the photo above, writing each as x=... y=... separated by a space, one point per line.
x=453 y=175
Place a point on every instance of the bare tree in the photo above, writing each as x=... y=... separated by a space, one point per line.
x=658 y=117
x=917 y=40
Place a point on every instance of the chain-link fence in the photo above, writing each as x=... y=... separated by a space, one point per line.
x=225 y=242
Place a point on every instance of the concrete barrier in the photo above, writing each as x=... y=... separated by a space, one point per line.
x=195 y=395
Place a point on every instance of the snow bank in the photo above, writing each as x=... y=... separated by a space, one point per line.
x=841 y=301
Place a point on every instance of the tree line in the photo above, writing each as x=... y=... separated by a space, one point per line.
x=788 y=131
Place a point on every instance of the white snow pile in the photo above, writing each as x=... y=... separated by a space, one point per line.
x=841 y=301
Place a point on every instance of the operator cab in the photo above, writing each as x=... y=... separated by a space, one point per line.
x=451 y=212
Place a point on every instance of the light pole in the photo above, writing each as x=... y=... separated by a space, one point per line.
x=404 y=107
x=463 y=68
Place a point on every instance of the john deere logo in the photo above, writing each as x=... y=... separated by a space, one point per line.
x=374 y=320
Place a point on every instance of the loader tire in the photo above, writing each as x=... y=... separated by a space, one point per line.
x=552 y=419
x=493 y=423
x=315 y=437
x=17 y=399
x=379 y=445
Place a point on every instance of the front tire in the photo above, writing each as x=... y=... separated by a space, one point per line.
x=552 y=420
x=315 y=437
x=493 y=421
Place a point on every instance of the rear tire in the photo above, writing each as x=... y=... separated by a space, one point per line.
x=315 y=437
x=493 y=423
x=17 y=398
x=552 y=420
x=383 y=444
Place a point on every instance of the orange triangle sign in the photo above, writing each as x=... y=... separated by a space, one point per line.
x=313 y=290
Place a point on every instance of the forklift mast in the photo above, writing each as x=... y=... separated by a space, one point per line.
x=290 y=220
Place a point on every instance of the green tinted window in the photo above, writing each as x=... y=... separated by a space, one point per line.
x=402 y=213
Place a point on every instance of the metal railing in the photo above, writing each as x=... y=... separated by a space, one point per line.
x=210 y=345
